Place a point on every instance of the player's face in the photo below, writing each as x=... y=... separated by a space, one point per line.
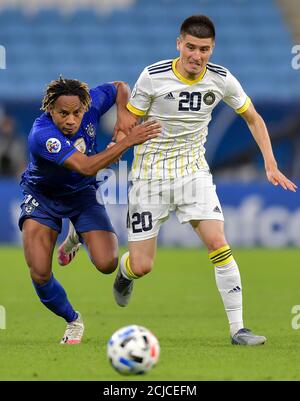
x=194 y=55
x=67 y=114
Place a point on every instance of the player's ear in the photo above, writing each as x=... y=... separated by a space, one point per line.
x=178 y=43
x=50 y=110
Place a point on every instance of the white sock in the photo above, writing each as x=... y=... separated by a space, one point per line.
x=229 y=285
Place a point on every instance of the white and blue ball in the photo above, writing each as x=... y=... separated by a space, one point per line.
x=133 y=350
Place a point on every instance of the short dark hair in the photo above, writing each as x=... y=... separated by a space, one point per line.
x=67 y=87
x=199 y=26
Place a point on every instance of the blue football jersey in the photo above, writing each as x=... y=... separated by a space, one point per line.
x=49 y=148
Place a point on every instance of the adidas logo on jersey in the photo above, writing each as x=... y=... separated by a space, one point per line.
x=217 y=209
x=169 y=96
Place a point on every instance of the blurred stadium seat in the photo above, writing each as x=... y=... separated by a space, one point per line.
x=89 y=44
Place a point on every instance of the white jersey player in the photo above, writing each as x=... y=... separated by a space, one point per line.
x=170 y=173
x=183 y=107
x=175 y=161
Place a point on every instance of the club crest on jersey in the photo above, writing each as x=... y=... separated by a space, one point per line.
x=80 y=145
x=29 y=209
x=209 y=98
x=53 y=145
x=90 y=129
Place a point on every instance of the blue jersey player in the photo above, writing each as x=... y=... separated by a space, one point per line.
x=59 y=182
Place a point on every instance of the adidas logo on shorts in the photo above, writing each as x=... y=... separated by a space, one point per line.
x=217 y=209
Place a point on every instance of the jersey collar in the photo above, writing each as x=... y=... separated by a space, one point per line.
x=185 y=80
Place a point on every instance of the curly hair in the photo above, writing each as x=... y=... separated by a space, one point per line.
x=66 y=87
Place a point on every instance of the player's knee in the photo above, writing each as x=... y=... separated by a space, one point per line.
x=213 y=244
x=38 y=277
x=141 y=267
x=107 y=265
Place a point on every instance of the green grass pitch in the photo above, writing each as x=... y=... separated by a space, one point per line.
x=178 y=301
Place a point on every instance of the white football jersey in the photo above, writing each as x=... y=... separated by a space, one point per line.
x=183 y=108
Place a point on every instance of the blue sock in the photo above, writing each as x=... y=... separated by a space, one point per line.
x=54 y=297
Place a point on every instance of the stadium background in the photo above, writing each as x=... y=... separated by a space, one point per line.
x=104 y=40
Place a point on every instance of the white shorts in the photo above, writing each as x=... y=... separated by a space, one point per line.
x=150 y=202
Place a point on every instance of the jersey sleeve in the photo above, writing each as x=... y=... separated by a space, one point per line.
x=234 y=95
x=141 y=96
x=51 y=144
x=103 y=98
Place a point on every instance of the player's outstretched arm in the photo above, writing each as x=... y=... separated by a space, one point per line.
x=125 y=120
x=260 y=133
x=91 y=165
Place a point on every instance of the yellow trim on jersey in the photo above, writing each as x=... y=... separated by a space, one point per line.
x=202 y=152
x=158 y=167
x=170 y=163
x=182 y=158
x=136 y=156
x=202 y=160
x=244 y=107
x=146 y=165
x=194 y=162
x=135 y=111
x=182 y=78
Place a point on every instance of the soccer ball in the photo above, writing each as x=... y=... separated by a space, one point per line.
x=133 y=350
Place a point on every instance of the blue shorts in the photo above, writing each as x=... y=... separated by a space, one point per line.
x=81 y=208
